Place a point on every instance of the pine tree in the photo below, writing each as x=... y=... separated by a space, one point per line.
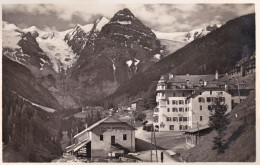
x=218 y=122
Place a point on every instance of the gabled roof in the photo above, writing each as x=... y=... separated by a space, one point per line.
x=81 y=133
x=203 y=90
x=192 y=78
x=81 y=144
x=109 y=119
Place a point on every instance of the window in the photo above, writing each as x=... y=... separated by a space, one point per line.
x=201 y=100
x=186 y=101
x=200 y=107
x=168 y=102
x=222 y=99
x=186 y=127
x=208 y=99
x=101 y=137
x=171 y=127
x=124 y=137
x=210 y=92
x=200 y=118
x=180 y=109
x=181 y=102
x=168 y=109
x=174 y=119
x=168 y=119
x=209 y=107
x=173 y=94
x=180 y=118
x=186 y=109
x=156 y=119
x=180 y=127
x=173 y=102
x=162 y=94
x=113 y=139
x=185 y=119
x=174 y=110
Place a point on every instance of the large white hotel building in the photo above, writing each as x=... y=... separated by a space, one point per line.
x=184 y=101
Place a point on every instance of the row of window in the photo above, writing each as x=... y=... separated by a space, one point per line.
x=173 y=95
x=177 y=119
x=210 y=99
x=181 y=109
x=176 y=102
x=181 y=127
x=209 y=107
x=101 y=137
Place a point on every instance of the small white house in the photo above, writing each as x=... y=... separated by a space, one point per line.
x=109 y=135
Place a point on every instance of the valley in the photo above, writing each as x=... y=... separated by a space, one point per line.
x=57 y=84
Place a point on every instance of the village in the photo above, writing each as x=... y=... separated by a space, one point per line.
x=178 y=121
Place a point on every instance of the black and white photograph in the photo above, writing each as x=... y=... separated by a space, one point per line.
x=128 y=82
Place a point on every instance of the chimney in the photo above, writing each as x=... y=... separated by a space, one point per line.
x=205 y=83
x=216 y=75
x=170 y=76
x=226 y=87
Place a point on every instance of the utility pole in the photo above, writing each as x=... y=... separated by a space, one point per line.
x=198 y=131
x=155 y=145
x=151 y=145
x=240 y=99
x=131 y=131
x=238 y=89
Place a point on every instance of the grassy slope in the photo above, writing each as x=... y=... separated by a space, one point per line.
x=240 y=138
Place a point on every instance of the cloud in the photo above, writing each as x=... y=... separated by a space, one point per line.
x=71 y=25
x=160 y=17
x=50 y=29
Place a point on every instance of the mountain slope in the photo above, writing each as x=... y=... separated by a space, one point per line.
x=124 y=47
x=219 y=50
x=18 y=78
x=30 y=129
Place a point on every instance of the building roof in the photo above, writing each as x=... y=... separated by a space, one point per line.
x=191 y=78
x=109 y=119
x=81 y=144
x=195 y=129
x=139 y=99
x=81 y=133
x=203 y=90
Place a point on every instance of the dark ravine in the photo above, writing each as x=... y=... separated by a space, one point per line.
x=28 y=131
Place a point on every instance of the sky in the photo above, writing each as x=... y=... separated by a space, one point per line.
x=159 y=17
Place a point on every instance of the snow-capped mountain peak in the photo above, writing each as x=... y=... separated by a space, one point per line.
x=187 y=36
x=86 y=28
x=101 y=22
